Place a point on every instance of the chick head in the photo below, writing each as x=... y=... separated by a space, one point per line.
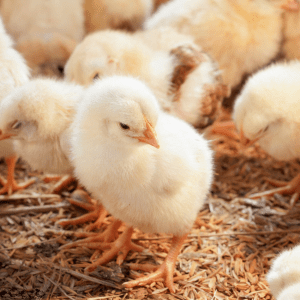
x=38 y=110
x=105 y=53
x=266 y=110
x=124 y=108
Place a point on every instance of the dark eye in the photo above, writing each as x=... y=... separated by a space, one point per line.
x=60 y=70
x=16 y=125
x=96 y=76
x=124 y=126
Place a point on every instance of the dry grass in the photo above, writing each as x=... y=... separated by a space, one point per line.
x=226 y=256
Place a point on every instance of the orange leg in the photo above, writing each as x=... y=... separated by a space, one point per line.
x=226 y=128
x=166 y=270
x=96 y=241
x=63 y=182
x=284 y=188
x=10 y=185
x=291 y=5
x=120 y=248
x=96 y=211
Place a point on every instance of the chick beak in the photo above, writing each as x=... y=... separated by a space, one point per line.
x=149 y=135
x=245 y=141
x=4 y=136
x=292 y=5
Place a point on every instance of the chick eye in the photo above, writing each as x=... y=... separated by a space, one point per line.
x=96 y=76
x=124 y=126
x=16 y=125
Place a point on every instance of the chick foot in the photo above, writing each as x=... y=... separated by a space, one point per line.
x=285 y=188
x=226 y=128
x=96 y=241
x=166 y=270
x=96 y=213
x=63 y=182
x=10 y=185
x=120 y=248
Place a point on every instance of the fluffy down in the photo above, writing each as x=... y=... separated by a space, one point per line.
x=45 y=32
x=284 y=275
x=184 y=79
x=268 y=109
x=241 y=35
x=37 y=115
x=156 y=190
x=117 y=14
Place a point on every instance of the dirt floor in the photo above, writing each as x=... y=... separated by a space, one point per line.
x=226 y=256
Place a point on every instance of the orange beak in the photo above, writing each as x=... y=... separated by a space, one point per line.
x=245 y=141
x=149 y=135
x=292 y=5
x=4 y=136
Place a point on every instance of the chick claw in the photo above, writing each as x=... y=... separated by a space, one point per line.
x=63 y=181
x=165 y=271
x=96 y=212
x=284 y=188
x=120 y=248
x=10 y=185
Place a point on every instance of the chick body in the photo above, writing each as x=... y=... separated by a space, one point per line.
x=268 y=108
x=284 y=275
x=241 y=36
x=155 y=57
x=44 y=108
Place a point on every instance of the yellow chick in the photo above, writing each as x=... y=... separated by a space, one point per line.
x=184 y=79
x=151 y=170
x=267 y=111
x=240 y=35
x=116 y=14
x=45 y=32
x=284 y=275
x=13 y=73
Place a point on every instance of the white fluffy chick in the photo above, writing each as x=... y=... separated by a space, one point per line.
x=186 y=82
x=45 y=32
x=13 y=73
x=37 y=117
x=117 y=14
x=291 y=35
x=284 y=275
x=240 y=35
x=150 y=169
x=268 y=111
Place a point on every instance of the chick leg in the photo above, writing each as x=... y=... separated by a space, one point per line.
x=166 y=270
x=284 y=188
x=63 y=182
x=226 y=128
x=96 y=211
x=120 y=248
x=10 y=185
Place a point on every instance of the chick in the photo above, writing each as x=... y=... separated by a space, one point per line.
x=37 y=117
x=284 y=275
x=184 y=79
x=241 y=35
x=117 y=14
x=45 y=32
x=13 y=73
x=150 y=169
x=268 y=111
